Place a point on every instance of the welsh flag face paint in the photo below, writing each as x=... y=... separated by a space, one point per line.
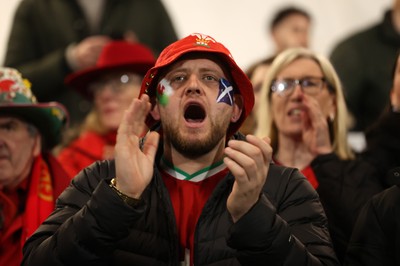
x=164 y=91
x=225 y=94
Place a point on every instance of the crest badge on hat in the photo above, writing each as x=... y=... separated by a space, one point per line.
x=203 y=40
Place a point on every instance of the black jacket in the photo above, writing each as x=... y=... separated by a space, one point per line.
x=364 y=63
x=383 y=143
x=376 y=237
x=93 y=226
x=346 y=185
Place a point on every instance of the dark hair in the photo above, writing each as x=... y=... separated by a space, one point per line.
x=283 y=13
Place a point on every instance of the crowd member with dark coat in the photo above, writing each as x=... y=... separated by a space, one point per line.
x=383 y=144
x=67 y=35
x=363 y=62
x=304 y=113
x=383 y=137
x=376 y=237
x=31 y=179
x=200 y=196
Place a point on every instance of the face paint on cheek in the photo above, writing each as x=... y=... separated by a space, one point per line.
x=225 y=94
x=164 y=91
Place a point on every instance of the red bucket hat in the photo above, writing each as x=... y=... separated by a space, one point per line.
x=117 y=55
x=16 y=98
x=200 y=43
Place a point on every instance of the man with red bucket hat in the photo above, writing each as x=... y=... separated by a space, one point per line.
x=203 y=195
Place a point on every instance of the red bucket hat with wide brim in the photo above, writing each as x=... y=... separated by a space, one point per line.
x=200 y=43
x=115 y=56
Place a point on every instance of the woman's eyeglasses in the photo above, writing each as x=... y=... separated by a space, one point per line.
x=309 y=85
x=117 y=83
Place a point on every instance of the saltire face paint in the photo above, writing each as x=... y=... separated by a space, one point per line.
x=225 y=94
x=164 y=91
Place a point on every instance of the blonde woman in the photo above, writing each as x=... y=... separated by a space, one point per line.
x=303 y=111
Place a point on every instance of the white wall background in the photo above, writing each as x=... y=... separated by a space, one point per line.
x=241 y=24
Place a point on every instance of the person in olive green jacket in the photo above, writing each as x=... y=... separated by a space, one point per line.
x=50 y=39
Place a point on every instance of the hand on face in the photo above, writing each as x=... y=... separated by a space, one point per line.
x=134 y=166
x=249 y=163
x=315 y=127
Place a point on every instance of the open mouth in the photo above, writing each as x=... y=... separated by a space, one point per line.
x=194 y=113
x=295 y=112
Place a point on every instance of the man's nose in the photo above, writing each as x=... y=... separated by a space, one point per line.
x=193 y=86
x=2 y=142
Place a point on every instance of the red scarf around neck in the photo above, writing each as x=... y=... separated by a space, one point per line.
x=39 y=203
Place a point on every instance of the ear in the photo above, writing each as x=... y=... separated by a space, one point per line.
x=332 y=109
x=237 y=108
x=155 y=112
x=37 y=145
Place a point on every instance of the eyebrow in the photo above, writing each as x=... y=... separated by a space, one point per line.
x=301 y=77
x=8 y=122
x=201 y=70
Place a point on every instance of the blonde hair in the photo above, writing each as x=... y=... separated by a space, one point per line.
x=265 y=123
x=92 y=123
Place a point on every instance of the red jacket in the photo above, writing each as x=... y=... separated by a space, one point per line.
x=86 y=149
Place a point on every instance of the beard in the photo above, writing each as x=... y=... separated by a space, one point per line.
x=195 y=148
